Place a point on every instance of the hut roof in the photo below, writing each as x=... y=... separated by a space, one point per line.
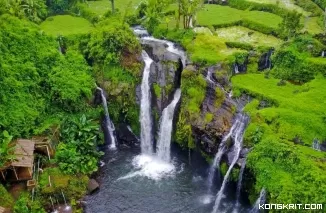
x=24 y=150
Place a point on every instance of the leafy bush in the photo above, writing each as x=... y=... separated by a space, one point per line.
x=78 y=154
x=273 y=160
x=290 y=65
x=110 y=42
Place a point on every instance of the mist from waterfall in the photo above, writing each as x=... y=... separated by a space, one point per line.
x=145 y=108
x=109 y=124
x=166 y=125
x=237 y=134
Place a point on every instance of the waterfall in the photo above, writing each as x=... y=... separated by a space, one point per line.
x=218 y=157
x=260 y=201
x=166 y=125
x=268 y=62
x=239 y=184
x=316 y=145
x=170 y=47
x=145 y=108
x=236 y=68
x=323 y=54
x=209 y=76
x=109 y=124
x=237 y=133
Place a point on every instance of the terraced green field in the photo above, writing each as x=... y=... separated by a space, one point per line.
x=65 y=25
x=100 y=7
x=219 y=15
x=245 y=35
x=288 y=4
x=300 y=110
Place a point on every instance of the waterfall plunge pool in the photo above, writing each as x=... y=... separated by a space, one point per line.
x=135 y=183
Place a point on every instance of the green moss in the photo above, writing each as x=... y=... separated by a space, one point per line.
x=157 y=90
x=220 y=96
x=209 y=117
x=74 y=187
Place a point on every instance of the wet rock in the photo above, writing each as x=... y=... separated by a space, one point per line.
x=244 y=152
x=92 y=186
x=323 y=146
x=126 y=136
x=165 y=72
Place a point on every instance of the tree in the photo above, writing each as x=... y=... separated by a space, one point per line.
x=155 y=12
x=188 y=9
x=290 y=24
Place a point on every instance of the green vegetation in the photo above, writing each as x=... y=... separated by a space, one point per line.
x=296 y=110
x=290 y=5
x=66 y=25
x=215 y=15
x=78 y=152
x=40 y=76
x=6 y=199
x=247 y=36
x=102 y=6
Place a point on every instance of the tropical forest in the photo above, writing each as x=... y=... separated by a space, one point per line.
x=162 y=106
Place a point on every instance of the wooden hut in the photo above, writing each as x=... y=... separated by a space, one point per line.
x=21 y=168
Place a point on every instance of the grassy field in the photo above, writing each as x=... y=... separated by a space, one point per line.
x=100 y=7
x=300 y=110
x=65 y=25
x=311 y=25
x=217 y=15
x=288 y=4
x=245 y=35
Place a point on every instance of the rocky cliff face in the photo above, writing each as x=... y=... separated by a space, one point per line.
x=165 y=73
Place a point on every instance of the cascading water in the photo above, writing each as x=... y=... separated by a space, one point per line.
x=323 y=54
x=166 y=125
x=237 y=133
x=109 y=124
x=239 y=185
x=316 y=145
x=260 y=201
x=268 y=62
x=236 y=68
x=145 y=108
x=218 y=157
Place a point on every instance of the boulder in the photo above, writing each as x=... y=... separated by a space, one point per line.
x=125 y=135
x=92 y=186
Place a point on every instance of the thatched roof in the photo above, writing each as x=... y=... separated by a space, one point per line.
x=24 y=152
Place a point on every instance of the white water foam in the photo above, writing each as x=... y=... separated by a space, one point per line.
x=151 y=167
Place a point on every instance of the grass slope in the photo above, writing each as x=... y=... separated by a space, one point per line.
x=219 y=15
x=300 y=110
x=100 y=7
x=287 y=4
x=65 y=25
x=245 y=35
